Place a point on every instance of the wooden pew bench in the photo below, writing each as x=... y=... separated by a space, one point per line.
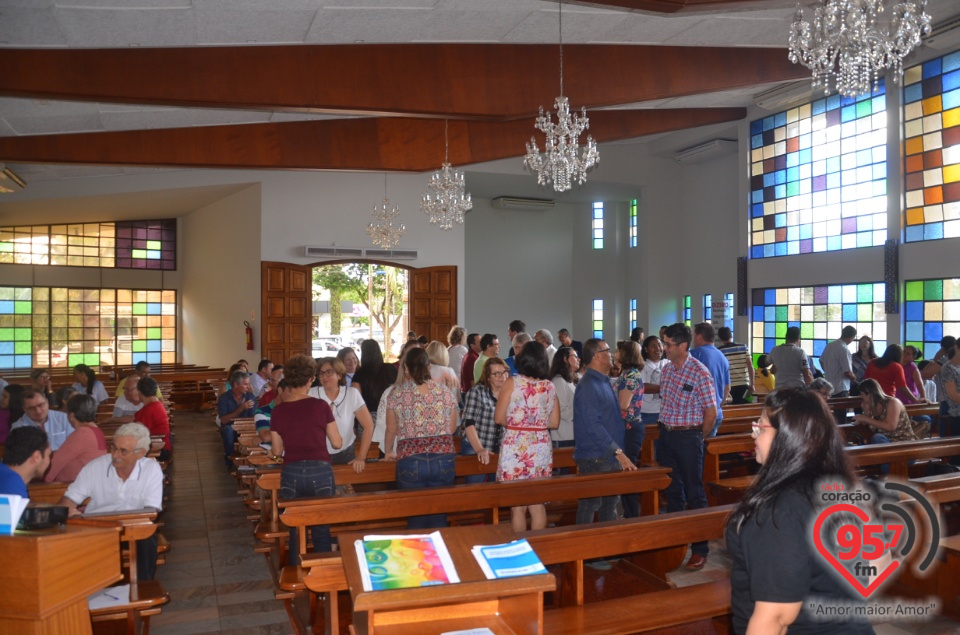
x=657 y=544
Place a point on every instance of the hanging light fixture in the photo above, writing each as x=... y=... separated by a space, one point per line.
x=383 y=230
x=445 y=201
x=849 y=43
x=561 y=164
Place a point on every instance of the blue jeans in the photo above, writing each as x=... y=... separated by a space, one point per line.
x=682 y=452
x=632 y=444
x=229 y=436
x=301 y=479
x=605 y=505
x=467 y=450
x=431 y=469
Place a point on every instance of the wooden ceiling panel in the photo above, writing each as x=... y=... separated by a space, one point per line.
x=492 y=81
x=398 y=144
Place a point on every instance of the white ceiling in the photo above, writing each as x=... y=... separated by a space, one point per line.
x=181 y=23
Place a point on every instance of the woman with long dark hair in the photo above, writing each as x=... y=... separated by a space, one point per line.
x=373 y=376
x=885 y=415
x=775 y=566
x=86 y=382
x=864 y=355
x=888 y=372
x=563 y=374
x=917 y=394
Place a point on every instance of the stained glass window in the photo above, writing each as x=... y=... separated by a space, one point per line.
x=728 y=321
x=598 y=319
x=598 y=225
x=818 y=177
x=150 y=244
x=633 y=223
x=931 y=133
x=633 y=313
x=821 y=312
x=932 y=310
x=707 y=307
x=43 y=326
x=687 y=310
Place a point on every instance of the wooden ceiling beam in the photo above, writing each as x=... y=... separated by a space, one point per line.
x=495 y=81
x=687 y=6
x=396 y=144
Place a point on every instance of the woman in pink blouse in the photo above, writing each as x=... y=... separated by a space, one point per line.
x=84 y=444
x=421 y=416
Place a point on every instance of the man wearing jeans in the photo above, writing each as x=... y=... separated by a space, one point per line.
x=598 y=430
x=688 y=411
x=237 y=403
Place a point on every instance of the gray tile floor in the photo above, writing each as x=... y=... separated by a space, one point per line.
x=217 y=584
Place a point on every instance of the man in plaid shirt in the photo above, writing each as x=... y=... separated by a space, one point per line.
x=688 y=410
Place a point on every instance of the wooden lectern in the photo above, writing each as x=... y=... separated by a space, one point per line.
x=47 y=575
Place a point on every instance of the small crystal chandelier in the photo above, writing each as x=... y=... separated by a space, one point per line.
x=446 y=202
x=383 y=231
x=848 y=43
x=559 y=163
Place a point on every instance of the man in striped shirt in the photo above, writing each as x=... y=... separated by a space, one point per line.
x=741 y=366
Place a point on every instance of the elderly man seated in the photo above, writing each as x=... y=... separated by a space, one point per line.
x=37 y=413
x=237 y=403
x=123 y=480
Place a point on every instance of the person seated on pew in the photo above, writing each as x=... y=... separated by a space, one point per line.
x=821 y=387
x=775 y=566
x=237 y=403
x=261 y=416
x=26 y=457
x=141 y=370
x=153 y=415
x=40 y=380
x=37 y=413
x=300 y=428
x=85 y=444
x=764 y=381
x=62 y=396
x=884 y=415
x=124 y=480
x=86 y=382
x=271 y=388
x=127 y=405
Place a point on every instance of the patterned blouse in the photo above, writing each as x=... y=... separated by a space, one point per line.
x=950 y=374
x=630 y=380
x=904 y=430
x=422 y=420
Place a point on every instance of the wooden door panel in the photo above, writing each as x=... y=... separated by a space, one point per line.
x=433 y=301
x=421 y=310
x=443 y=282
x=420 y=281
x=286 y=310
x=442 y=309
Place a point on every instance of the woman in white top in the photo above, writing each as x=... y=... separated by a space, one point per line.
x=563 y=372
x=86 y=383
x=346 y=404
x=654 y=362
x=440 y=370
x=457 y=351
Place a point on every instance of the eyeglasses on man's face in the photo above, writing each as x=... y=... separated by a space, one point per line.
x=114 y=449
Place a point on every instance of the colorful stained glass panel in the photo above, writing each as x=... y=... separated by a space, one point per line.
x=931 y=311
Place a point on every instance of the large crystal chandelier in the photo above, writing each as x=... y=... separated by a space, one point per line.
x=849 y=42
x=445 y=201
x=560 y=164
x=385 y=230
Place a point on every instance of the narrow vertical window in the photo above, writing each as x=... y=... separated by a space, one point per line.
x=598 y=319
x=707 y=307
x=633 y=313
x=633 y=223
x=687 y=311
x=598 y=225
x=728 y=318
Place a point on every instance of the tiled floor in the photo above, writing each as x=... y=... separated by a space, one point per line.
x=217 y=584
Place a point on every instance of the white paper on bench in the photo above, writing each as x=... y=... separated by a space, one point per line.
x=110 y=597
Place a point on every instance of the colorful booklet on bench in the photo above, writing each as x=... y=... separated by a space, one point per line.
x=508 y=560
x=11 y=509
x=402 y=562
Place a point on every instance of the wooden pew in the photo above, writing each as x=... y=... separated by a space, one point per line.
x=658 y=544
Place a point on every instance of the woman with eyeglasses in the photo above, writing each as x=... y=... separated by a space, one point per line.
x=528 y=408
x=347 y=405
x=480 y=436
x=775 y=565
x=563 y=373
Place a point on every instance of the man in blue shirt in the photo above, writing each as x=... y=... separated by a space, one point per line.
x=26 y=457
x=598 y=429
x=237 y=403
x=716 y=362
x=37 y=414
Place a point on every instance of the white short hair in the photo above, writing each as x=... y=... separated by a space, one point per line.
x=136 y=430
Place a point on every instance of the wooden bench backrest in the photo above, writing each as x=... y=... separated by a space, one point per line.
x=46 y=492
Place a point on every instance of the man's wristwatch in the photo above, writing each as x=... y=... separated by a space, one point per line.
x=618 y=452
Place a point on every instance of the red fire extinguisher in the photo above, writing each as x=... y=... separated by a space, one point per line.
x=249 y=331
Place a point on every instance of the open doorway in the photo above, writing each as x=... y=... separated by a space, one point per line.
x=357 y=301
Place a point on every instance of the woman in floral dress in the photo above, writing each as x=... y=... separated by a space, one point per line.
x=527 y=406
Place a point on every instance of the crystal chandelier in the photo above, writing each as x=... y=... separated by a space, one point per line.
x=848 y=42
x=446 y=202
x=383 y=231
x=561 y=163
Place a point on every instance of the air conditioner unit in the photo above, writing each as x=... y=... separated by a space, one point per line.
x=785 y=96
x=392 y=254
x=532 y=204
x=9 y=181
x=944 y=36
x=333 y=252
x=706 y=151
